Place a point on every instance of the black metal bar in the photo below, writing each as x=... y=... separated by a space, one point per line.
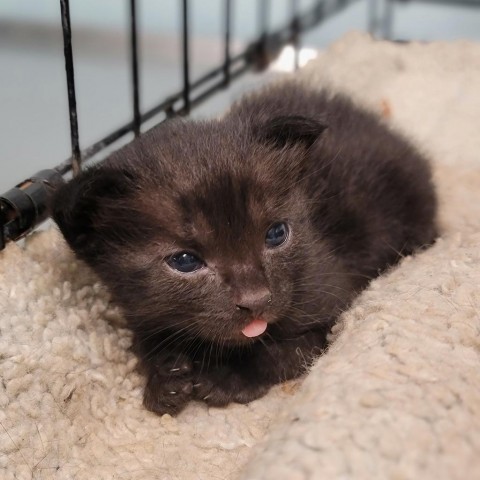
x=186 y=57
x=227 y=38
x=295 y=27
x=3 y=223
x=263 y=14
x=263 y=44
x=388 y=20
x=372 y=13
x=134 y=65
x=319 y=10
x=72 y=102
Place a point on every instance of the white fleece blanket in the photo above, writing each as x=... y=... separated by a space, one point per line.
x=397 y=396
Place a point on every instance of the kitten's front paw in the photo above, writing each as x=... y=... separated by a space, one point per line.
x=223 y=386
x=172 y=365
x=169 y=387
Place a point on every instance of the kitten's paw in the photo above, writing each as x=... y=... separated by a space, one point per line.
x=169 y=387
x=167 y=394
x=221 y=387
x=173 y=365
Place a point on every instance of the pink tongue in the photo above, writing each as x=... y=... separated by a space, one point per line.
x=255 y=328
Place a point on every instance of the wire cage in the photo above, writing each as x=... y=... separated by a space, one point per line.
x=24 y=207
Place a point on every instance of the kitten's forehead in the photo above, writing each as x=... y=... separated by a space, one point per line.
x=229 y=207
x=228 y=211
x=218 y=188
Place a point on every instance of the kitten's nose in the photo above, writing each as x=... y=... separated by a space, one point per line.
x=254 y=301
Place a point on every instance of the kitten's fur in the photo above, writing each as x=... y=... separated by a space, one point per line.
x=356 y=198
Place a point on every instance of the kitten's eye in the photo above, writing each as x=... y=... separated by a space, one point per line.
x=276 y=235
x=185 y=262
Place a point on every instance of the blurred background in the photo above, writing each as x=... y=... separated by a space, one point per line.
x=34 y=127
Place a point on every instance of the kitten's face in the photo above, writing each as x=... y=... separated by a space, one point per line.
x=210 y=237
x=225 y=251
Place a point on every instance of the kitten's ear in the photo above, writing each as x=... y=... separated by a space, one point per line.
x=292 y=129
x=79 y=206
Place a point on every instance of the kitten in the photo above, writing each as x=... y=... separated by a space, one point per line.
x=232 y=245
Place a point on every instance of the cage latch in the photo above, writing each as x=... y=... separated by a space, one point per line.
x=25 y=205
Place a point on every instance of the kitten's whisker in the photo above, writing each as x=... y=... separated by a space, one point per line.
x=346 y=274
x=160 y=329
x=178 y=337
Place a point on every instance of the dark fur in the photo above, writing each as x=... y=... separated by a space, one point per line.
x=356 y=196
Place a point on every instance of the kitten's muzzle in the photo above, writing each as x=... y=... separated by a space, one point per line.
x=254 y=302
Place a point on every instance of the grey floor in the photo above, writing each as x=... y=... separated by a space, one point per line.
x=34 y=130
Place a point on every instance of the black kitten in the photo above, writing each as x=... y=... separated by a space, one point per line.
x=232 y=245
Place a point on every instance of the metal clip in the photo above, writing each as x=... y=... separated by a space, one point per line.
x=25 y=206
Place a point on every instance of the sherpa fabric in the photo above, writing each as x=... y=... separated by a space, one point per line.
x=397 y=396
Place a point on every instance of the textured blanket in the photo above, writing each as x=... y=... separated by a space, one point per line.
x=396 y=396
